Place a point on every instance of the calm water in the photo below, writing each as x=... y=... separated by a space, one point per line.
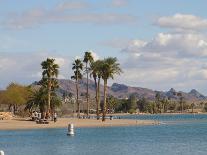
x=187 y=135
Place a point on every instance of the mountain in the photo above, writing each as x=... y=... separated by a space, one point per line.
x=124 y=91
x=195 y=93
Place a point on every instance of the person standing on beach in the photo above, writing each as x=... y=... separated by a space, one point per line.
x=55 y=117
x=35 y=115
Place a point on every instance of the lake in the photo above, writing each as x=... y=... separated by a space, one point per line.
x=177 y=135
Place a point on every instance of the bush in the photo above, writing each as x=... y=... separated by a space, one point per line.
x=23 y=113
x=131 y=111
x=205 y=107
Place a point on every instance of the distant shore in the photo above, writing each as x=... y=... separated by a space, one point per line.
x=173 y=113
x=21 y=123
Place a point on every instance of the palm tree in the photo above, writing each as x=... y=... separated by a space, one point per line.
x=95 y=71
x=37 y=99
x=192 y=107
x=109 y=68
x=88 y=59
x=55 y=102
x=111 y=103
x=158 y=101
x=77 y=67
x=50 y=72
x=54 y=83
x=165 y=102
x=180 y=95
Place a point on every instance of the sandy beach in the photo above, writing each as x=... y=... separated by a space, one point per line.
x=20 y=123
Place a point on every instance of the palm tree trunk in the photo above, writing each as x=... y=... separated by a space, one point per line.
x=104 y=105
x=97 y=107
x=87 y=90
x=182 y=107
x=48 y=102
x=77 y=102
x=15 y=109
x=98 y=95
x=181 y=102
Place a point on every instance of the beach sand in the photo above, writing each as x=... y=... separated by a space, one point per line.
x=21 y=123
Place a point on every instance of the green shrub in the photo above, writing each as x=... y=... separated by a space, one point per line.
x=131 y=111
x=205 y=107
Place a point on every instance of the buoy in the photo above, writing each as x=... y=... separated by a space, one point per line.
x=1 y=152
x=70 y=130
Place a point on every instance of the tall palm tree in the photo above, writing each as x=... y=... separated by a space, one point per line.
x=192 y=107
x=95 y=71
x=88 y=59
x=54 y=83
x=77 y=67
x=180 y=95
x=50 y=72
x=109 y=68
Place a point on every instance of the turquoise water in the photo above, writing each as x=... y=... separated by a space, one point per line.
x=170 y=118
x=186 y=137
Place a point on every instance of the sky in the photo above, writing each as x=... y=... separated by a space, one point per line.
x=160 y=44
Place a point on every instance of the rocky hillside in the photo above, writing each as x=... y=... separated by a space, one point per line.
x=124 y=91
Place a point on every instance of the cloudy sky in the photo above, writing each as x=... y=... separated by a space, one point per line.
x=159 y=43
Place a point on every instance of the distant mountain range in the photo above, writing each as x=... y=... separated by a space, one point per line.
x=124 y=91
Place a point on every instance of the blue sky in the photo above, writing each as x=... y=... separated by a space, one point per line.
x=159 y=43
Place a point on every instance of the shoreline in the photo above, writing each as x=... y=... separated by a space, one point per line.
x=24 y=124
x=140 y=114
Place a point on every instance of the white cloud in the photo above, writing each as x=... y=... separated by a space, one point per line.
x=72 y=5
x=180 y=74
x=134 y=45
x=199 y=74
x=36 y=75
x=60 y=61
x=60 y=14
x=5 y=63
x=119 y=3
x=168 y=60
x=146 y=77
x=116 y=43
x=183 y=22
x=62 y=76
x=25 y=67
x=77 y=57
x=9 y=41
x=95 y=55
x=171 y=44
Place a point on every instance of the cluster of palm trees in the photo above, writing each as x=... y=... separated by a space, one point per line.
x=45 y=97
x=100 y=69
